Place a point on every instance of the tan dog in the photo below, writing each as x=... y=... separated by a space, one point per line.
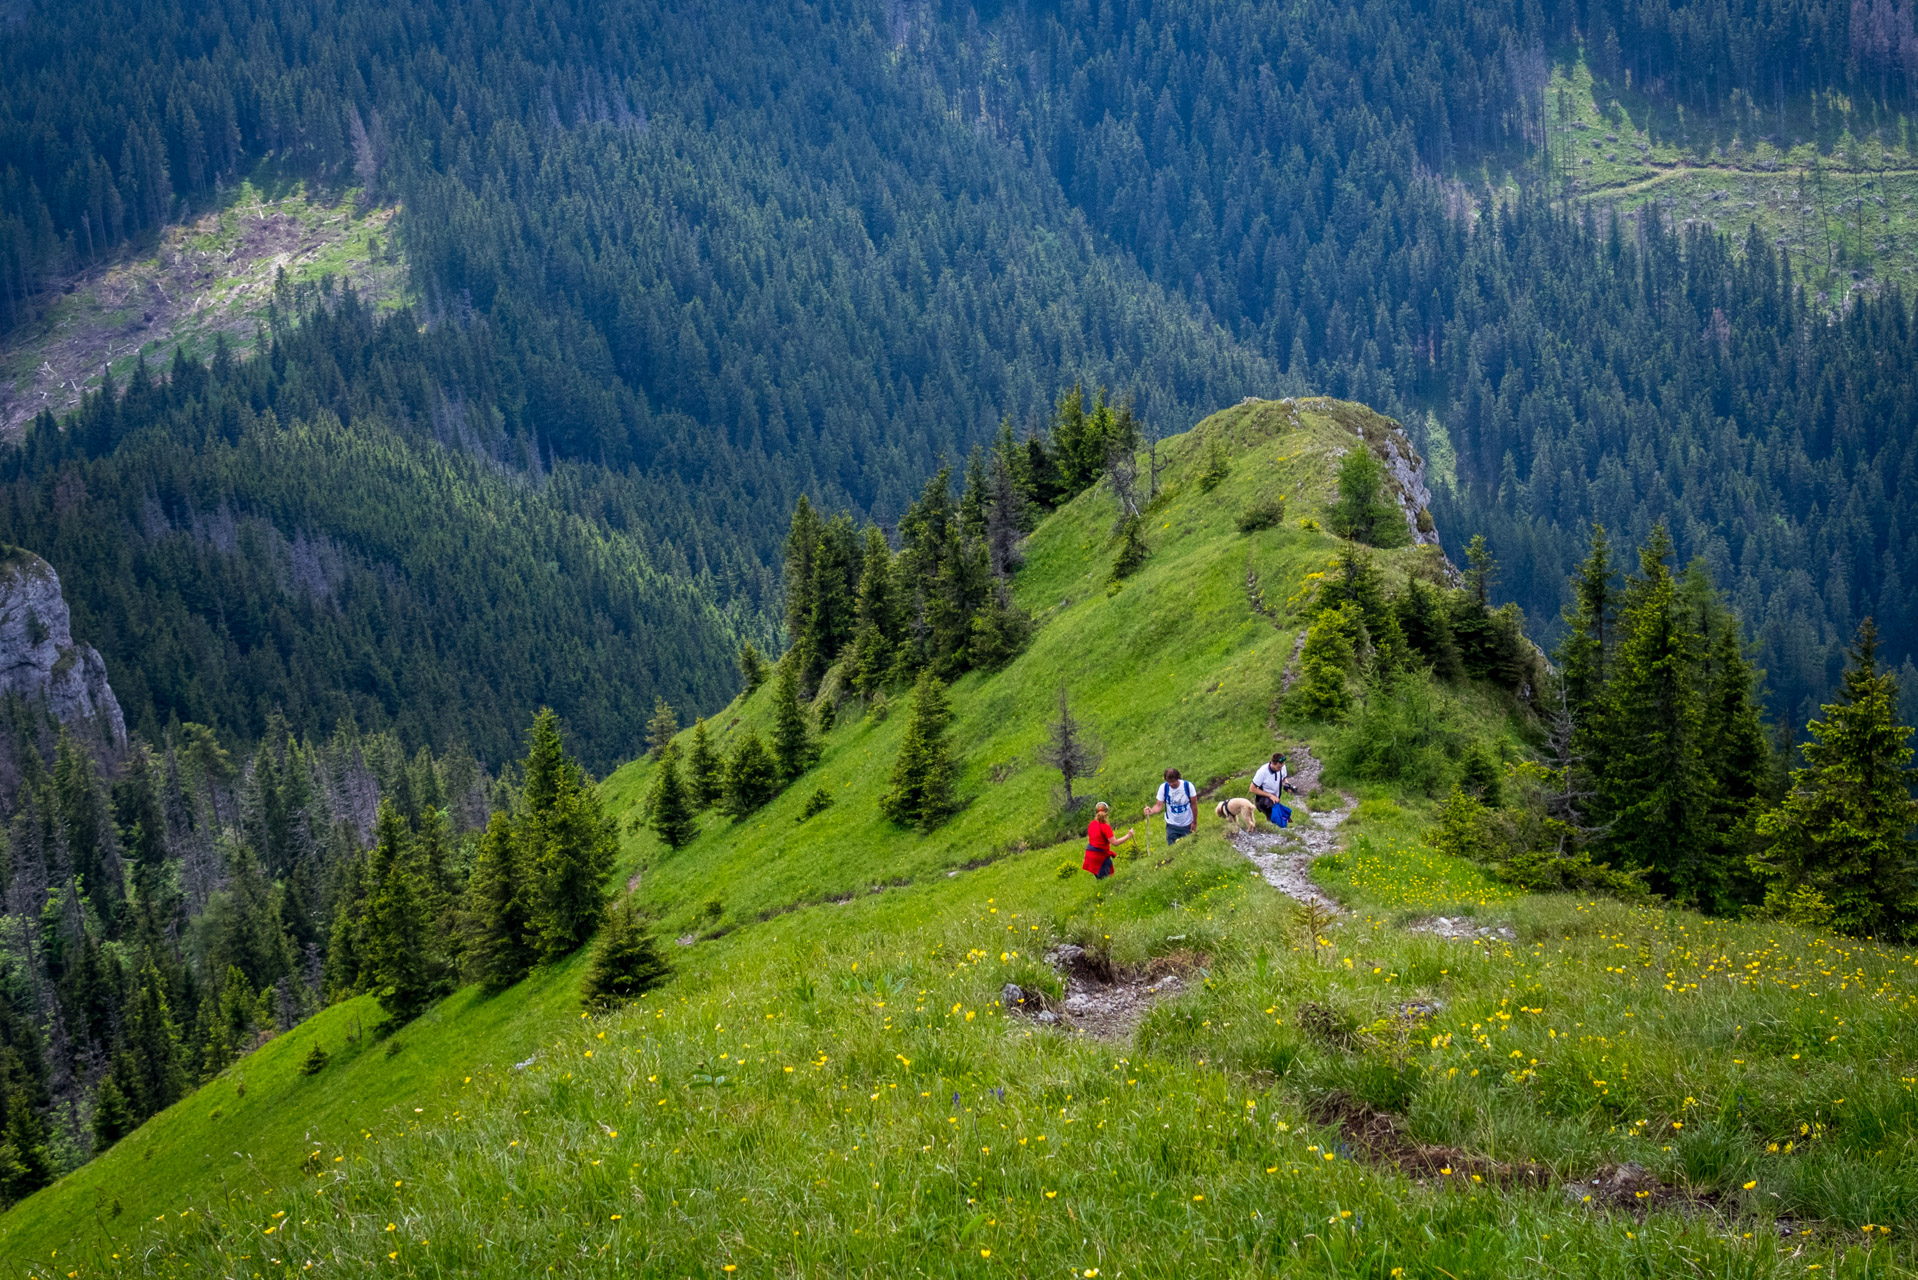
x=1240 y=810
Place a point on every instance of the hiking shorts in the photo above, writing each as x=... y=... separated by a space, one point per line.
x=1175 y=834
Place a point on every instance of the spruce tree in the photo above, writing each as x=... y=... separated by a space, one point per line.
x=497 y=953
x=1006 y=517
x=1000 y=629
x=876 y=627
x=752 y=776
x=670 y=806
x=399 y=938
x=792 y=737
x=546 y=763
x=1363 y=512
x=802 y=545
x=156 y=1078
x=752 y=667
x=112 y=1117
x=1844 y=828
x=661 y=729
x=922 y=791
x=1326 y=660
x=1069 y=748
x=1654 y=783
x=627 y=961
x=705 y=771
x=1584 y=652
x=572 y=857
x=833 y=599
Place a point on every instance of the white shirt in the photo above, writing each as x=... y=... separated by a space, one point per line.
x=1177 y=799
x=1269 y=781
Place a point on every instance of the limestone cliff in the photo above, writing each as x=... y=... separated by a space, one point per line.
x=38 y=658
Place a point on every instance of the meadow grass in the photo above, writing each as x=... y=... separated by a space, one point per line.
x=831 y=1085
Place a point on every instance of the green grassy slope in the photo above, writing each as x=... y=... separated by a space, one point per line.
x=835 y=1089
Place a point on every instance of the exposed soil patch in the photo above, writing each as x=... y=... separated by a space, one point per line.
x=1380 y=1137
x=1462 y=929
x=1100 y=1000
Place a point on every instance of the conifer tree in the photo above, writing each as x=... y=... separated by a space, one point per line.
x=497 y=953
x=752 y=776
x=1006 y=518
x=26 y=1164
x=573 y=854
x=705 y=772
x=1584 y=653
x=1363 y=512
x=661 y=729
x=923 y=777
x=752 y=667
x=627 y=961
x=833 y=599
x=670 y=806
x=1653 y=790
x=546 y=763
x=876 y=629
x=112 y=1117
x=973 y=497
x=1427 y=628
x=1132 y=548
x=156 y=1078
x=802 y=545
x=792 y=737
x=1000 y=629
x=399 y=940
x=1844 y=829
x=1326 y=660
x=1069 y=748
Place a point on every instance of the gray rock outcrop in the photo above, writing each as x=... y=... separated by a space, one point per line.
x=38 y=658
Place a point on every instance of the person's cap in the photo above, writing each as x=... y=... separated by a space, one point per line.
x=1102 y=805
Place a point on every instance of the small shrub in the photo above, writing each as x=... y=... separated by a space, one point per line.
x=315 y=1061
x=1327 y=1024
x=1132 y=550
x=1266 y=514
x=1803 y=906
x=1217 y=468
x=393 y=1047
x=817 y=803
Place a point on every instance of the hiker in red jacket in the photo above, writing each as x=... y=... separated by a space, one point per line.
x=1099 y=842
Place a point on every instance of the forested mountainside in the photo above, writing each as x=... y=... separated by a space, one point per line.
x=752 y=252
x=284 y=536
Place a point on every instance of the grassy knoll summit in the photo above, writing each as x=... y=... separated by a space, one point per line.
x=1444 y=1077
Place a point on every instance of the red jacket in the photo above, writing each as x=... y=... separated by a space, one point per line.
x=1098 y=845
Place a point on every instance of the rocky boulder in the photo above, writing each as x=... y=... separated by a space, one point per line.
x=38 y=658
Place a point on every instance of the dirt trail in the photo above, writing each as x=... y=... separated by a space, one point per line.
x=1284 y=857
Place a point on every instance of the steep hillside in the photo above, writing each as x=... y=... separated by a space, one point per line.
x=1447 y=1079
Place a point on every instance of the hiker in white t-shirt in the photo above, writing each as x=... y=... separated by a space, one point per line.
x=1269 y=785
x=1177 y=797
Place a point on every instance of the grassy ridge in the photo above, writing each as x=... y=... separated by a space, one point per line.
x=836 y=1089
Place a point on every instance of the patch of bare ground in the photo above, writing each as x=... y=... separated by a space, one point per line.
x=1101 y=999
x=213 y=275
x=1462 y=929
x=1381 y=1138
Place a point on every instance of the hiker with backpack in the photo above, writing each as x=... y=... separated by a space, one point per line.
x=1176 y=796
x=1099 y=842
x=1269 y=786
